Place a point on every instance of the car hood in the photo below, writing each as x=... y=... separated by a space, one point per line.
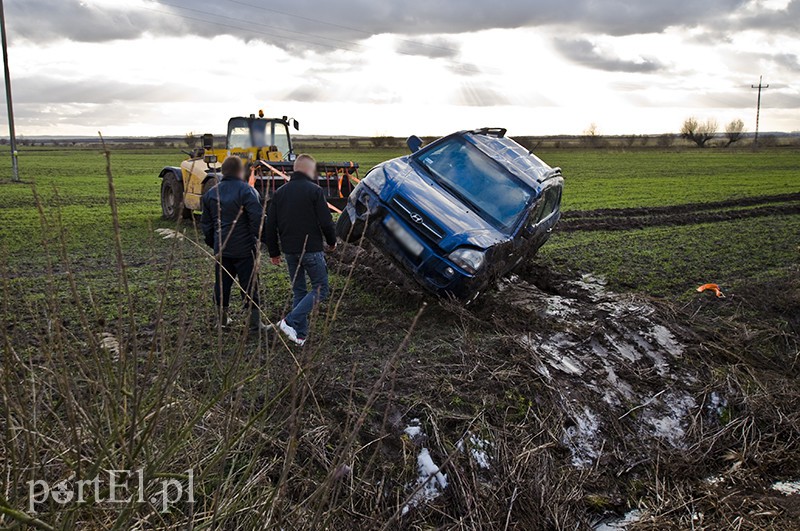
x=460 y=225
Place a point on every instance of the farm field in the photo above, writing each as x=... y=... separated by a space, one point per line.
x=108 y=336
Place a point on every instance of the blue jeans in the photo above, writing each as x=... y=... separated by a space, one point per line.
x=300 y=265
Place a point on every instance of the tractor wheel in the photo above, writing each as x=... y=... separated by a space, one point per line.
x=347 y=231
x=208 y=185
x=172 y=198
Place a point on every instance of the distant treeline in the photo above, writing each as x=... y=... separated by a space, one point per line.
x=302 y=142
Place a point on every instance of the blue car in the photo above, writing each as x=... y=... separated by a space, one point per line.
x=458 y=213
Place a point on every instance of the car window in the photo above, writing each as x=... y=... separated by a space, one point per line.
x=493 y=192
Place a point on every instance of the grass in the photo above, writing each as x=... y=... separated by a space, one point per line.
x=619 y=179
x=672 y=261
x=112 y=364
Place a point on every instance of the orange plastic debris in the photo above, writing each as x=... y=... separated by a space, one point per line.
x=711 y=287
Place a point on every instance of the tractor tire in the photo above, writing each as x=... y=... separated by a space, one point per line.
x=208 y=185
x=172 y=198
x=347 y=231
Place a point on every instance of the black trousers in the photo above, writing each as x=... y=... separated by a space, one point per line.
x=243 y=269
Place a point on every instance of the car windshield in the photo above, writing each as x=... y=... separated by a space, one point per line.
x=477 y=180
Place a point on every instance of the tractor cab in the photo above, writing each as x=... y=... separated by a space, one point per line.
x=265 y=144
x=257 y=138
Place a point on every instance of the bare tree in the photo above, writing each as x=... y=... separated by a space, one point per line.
x=734 y=131
x=190 y=140
x=699 y=133
x=591 y=136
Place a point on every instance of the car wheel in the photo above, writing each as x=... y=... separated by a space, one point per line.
x=347 y=231
x=171 y=198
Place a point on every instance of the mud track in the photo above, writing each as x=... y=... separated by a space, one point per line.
x=686 y=214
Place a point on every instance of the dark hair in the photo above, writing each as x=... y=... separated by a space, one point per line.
x=232 y=167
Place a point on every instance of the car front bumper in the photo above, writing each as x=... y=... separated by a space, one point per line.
x=429 y=266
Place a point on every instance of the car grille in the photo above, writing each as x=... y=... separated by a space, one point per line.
x=419 y=222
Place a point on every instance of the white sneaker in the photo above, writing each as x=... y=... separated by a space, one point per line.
x=291 y=333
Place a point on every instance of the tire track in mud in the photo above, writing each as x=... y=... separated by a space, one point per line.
x=687 y=214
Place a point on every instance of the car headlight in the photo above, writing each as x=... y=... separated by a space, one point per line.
x=375 y=180
x=470 y=260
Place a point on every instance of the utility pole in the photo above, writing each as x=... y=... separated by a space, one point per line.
x=11 y=133
x=760 y=86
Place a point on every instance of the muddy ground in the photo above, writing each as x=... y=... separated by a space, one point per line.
x=686 y=214
x=553 y=402
x=596 y=408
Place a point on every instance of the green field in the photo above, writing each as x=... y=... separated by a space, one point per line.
x=662 y=260
x=111 y=365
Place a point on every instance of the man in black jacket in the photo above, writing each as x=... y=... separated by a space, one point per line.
x=298 y=220
x=231 y=224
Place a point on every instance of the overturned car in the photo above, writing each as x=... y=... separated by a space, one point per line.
x=457 y=213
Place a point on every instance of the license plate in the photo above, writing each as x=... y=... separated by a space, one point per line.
x=403 y=236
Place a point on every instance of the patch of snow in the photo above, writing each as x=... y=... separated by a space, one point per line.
x=554 y=350
x=668 y=425
x=170 y=234
x=430 y=477
x=664 y=337
x=616 y=524
x=594 y=285
x=717 y=404
x=787 y=488
x=506 y=282
x=478 y=449
x=110 y=344
x=626 y=350
x=558 y=306
x=413 y=431
x=582 y=438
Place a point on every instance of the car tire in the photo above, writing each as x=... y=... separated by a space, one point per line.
x=347 y=231
x=172 y=198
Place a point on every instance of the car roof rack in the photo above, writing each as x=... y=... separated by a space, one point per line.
x=499 y=132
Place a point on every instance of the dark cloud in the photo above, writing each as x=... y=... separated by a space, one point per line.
x=46 y=20
x=307 y=93
x=304 y=24
x=585 y=53
x=433 y=48
x=787 y=60
x=787 y=19
x=48 y=90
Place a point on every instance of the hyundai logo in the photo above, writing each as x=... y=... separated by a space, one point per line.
x=416 y=218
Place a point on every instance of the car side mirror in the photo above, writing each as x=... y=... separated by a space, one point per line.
x=208 y=141
x=296 y=124
x=414 y=143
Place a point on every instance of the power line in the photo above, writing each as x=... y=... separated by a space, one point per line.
x=11 y=133
x=760 y=86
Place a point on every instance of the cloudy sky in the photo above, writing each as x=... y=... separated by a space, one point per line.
x=367 y=67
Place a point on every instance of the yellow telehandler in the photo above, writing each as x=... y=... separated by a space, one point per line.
x=265 y=144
